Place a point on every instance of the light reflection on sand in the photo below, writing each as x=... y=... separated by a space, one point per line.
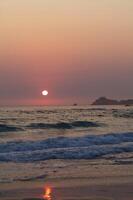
x=47 y=194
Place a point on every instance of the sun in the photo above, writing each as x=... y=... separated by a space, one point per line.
x=44 y=92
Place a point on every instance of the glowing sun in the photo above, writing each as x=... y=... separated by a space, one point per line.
x=44 y=92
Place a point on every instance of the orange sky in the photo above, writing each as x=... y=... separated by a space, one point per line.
x=78 y=50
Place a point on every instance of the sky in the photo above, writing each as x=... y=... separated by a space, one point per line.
x=77 y=50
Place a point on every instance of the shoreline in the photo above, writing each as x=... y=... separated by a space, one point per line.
x=82 y=181
x=71 y=189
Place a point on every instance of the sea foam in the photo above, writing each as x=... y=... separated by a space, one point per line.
x=86 y=147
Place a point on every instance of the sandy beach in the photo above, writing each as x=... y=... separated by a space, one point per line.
x=82 y=192
x=104 y=182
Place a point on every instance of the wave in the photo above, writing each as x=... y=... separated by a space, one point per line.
x=8 y=128
x=63 y=125
x=60 y=125
x=42 y=176
x=123 y=113
x=86 y=147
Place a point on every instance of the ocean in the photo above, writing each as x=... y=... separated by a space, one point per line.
x=52 y=141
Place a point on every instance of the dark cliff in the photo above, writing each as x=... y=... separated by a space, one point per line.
x=106 y=101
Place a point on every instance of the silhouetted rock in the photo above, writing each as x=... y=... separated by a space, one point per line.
x=127 y=102
x=106 y=101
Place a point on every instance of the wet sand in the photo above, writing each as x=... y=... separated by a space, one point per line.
x=80 y=191
x=87 y=181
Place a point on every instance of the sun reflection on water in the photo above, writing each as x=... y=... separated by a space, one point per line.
x=47 y=194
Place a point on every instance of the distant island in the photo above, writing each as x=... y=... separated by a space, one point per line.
x=106 y=101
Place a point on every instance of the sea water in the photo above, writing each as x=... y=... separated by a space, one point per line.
x=36 y=142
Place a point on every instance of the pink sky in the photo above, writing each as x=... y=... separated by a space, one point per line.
x=77 y=50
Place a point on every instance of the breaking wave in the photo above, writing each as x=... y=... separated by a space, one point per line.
x=86 y=147
x=63 y=125
x=8 y=128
